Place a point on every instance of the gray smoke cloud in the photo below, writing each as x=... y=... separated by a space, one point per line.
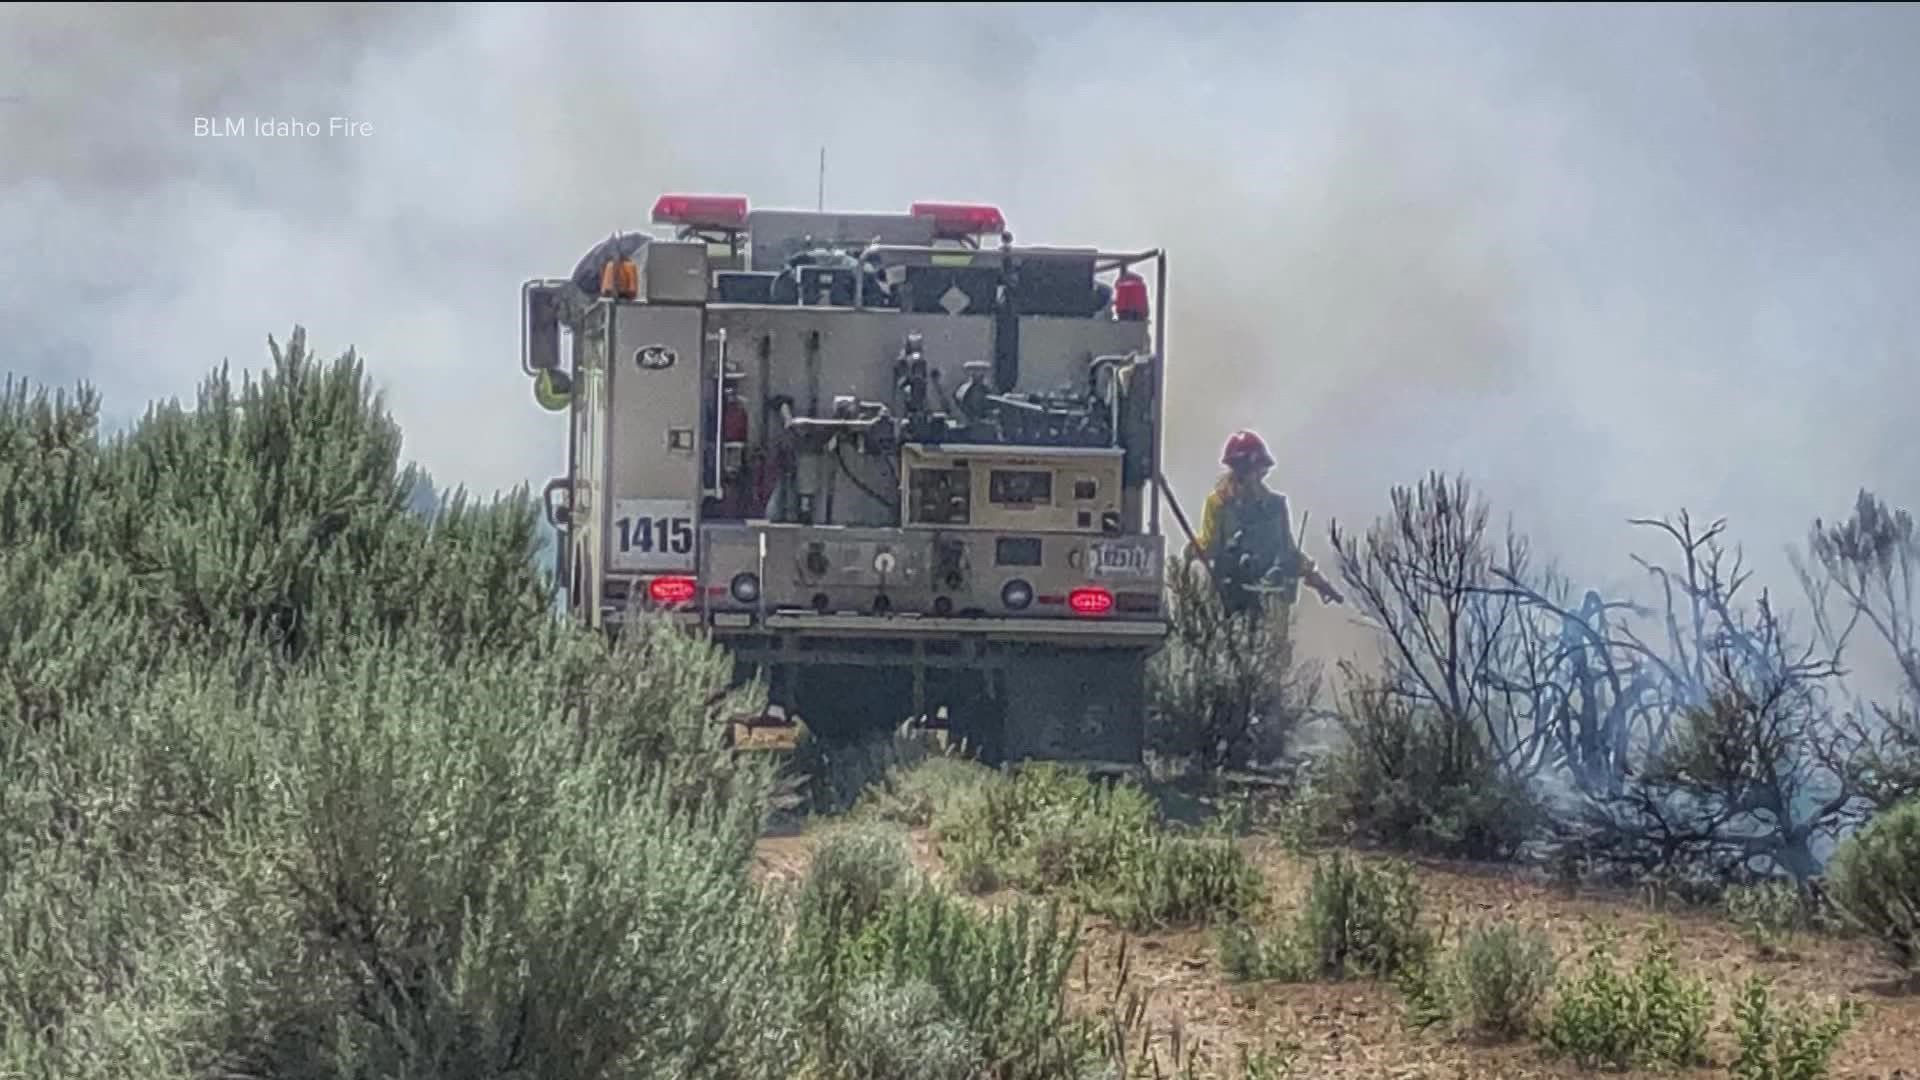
x=1607 y=261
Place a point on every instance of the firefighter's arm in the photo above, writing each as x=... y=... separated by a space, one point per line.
x=1202 y=545
x=1310 y=573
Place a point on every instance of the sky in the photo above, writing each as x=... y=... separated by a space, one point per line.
x=1605 y=261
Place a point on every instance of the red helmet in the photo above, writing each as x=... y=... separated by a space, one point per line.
x=1244 y=447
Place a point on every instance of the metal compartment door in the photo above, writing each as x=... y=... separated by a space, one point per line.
x=655 y=438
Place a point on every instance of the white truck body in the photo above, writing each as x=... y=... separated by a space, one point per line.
x=915 y=481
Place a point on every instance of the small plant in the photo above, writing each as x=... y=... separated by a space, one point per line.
x=854 y=871
x=897 y=1032
x=1363 y=920
x=913 y=796
x=1174 y=880
x=1498 y=976
x=1297 y=824
x=1769 y=914
x=1423 y=989
x=1874 y=879
x=1792 y=1045
x=1651 y=1017
x=1051 y=829
x=1357 y=921
x=1002 y=975
x=1249 y=955
x=971 y=861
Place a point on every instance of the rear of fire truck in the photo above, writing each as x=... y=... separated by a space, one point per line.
x=897 y=465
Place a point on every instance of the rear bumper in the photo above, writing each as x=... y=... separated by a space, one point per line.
x=1071 y=630
x=852 y=629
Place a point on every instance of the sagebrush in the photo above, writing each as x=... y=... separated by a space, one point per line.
x=1874 y=879
x=1356 y=921
x=1053 y=829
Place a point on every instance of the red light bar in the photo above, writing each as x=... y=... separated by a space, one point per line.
x=701 y=211
x=955 y=221
x=673 y=591
x=1090 y=601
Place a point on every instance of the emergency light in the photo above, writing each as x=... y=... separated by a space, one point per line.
x=701 y=211
x=960 y=221
x=1130 y=297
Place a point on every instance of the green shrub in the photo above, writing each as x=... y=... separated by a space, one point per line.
x=856 y=870
x=388 y=865
x=1357 y=921
x=1498 y=976
x=1251 y=955
x=915 y=796
x=1769 y=913
x=974 y=867
x=1070 y=831
x=855 y=873
x=1299 y=822
x=1052 y=829
x=1410 y=778
x=1795 y=1045
x=1177 y=881
x=1874 y=880
x=1363 y=920
x=295 y=781
x=1651 y=1016
x=867 y=925
x=1002 y=975
x=903 y=1033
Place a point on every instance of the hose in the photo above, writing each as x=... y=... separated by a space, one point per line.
x=840 y=456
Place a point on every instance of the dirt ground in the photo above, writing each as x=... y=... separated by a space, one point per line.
x=1355 y=1029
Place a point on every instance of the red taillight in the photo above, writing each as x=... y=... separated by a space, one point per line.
x=1090 y=601
x=701 y=211
x=672 y=591
x=955 y=221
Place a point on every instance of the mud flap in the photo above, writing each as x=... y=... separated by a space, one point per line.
x=1076 y=705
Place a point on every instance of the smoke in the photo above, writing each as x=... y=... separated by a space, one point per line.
x=1608 y=262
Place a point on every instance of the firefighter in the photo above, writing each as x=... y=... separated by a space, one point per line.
x=1246 y=535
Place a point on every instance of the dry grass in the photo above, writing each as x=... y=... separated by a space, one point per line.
x=1355 y=1029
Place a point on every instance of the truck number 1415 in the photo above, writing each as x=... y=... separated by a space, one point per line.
x=667 y=535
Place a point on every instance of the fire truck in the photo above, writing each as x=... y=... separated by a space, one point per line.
x=895 y=464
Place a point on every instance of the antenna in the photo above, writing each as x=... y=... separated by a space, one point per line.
x=822 y=204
